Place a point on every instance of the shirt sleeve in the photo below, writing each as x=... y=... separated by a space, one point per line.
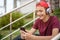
x=55 y=23
x=35 y=25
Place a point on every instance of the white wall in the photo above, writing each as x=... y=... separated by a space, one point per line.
x=9 y=5
x=28 y=8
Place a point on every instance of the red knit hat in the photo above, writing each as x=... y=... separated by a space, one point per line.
x=43 y=4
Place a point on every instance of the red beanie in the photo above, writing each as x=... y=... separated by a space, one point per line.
x=43 y=4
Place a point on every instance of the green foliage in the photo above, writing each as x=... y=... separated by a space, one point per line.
x=29 y=26
x=57 y=12
x=4 y=20
x=30 y=16
x=15 y=15
x=0 y=36
x=18 y=23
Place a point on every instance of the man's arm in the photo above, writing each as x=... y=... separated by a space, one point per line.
x=32 y=31
x=54 y=33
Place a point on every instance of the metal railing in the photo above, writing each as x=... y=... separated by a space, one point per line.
x=19 y=29
x=14 y=21
x=18 y=7
x=18 y=18
x=57 y=37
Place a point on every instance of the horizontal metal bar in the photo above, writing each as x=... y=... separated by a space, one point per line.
x=18 y=7
x=19 y=28
x=15 y=21
x=56 y=37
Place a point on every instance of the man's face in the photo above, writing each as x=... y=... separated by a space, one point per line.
x=40 y=11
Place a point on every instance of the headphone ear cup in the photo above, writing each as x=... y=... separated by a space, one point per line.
x=48 y=10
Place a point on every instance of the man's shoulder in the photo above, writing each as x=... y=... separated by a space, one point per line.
x=54 y=17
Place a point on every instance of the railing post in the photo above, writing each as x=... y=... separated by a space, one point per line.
x=10 y=26
x=34 y=13
x=19 y=29
x=34 y=16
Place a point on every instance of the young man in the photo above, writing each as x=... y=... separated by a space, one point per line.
x=47 y=25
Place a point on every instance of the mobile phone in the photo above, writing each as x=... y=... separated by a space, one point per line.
x=23 y=29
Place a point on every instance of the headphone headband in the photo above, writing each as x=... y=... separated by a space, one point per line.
x=43 y=4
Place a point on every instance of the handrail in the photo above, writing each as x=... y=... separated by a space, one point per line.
x=14 y=21
x=19 y=18
x=18 y=7
x=19 y=28
x=56 y=37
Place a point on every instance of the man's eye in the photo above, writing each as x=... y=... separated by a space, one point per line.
x=40 y=11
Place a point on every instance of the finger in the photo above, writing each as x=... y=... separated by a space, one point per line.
x=22 y=32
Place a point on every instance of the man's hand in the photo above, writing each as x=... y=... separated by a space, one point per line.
x=22 y=34
x=26 y=36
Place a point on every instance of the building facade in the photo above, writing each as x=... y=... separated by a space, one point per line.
x=54 y=3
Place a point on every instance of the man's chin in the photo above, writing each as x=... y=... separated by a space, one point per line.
x=41 y=18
